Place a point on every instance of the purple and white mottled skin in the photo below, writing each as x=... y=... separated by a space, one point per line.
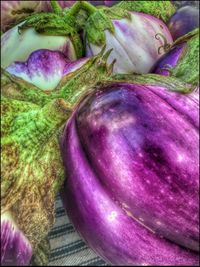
x=131 y=189
x=168 y=60
x=184 y=21
x=15 y=247
x=134 y=43
x=45 y=68
x=18 y=47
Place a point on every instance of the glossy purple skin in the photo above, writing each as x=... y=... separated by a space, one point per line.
x=131 y=188
x=168 y=60
x=15 y=248
x=183 y=21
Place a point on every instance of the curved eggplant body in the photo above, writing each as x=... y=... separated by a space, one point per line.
x=18 y=47
x=45 y=68
x=136 y=43
x=131 y=159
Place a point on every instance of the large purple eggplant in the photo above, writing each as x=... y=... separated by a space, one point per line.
x=130 y=152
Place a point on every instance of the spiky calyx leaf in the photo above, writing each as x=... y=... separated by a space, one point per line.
x=160 y=9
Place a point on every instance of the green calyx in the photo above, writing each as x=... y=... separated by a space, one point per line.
x=31 y=163
x=99 y=20
x=55 y=6
x=187 y=67
x=160 y=9
x=171 y=83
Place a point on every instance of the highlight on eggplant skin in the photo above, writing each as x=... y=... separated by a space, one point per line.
x=131 y=189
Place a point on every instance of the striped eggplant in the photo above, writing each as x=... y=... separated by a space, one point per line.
x=45 y=68
x=138 y=39
x=182 y=59
x=130 y=152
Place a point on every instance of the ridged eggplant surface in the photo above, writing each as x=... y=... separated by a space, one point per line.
x=131 y=158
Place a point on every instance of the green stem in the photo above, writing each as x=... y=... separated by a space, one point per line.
x=55 y=6
x=74 y=9
x=88 y=7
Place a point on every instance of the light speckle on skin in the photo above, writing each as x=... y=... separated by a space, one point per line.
x=169 y=178
x=141 y=219
x=180 y=157
x=112 y=216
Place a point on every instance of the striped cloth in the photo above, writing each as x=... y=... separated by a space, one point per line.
x=67 y=248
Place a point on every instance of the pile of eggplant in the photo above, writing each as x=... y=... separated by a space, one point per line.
x=100 y=103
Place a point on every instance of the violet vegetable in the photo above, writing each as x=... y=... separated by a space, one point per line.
x=131 y=162
x=16 y=250
x=183 y=21
x=138 y=40
x=182 y=60
x=45 y=68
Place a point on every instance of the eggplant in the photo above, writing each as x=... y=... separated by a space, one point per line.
x=45 y=68
x=138 y=39
x=130 y=152
x=181 y=60
x=183 y=21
